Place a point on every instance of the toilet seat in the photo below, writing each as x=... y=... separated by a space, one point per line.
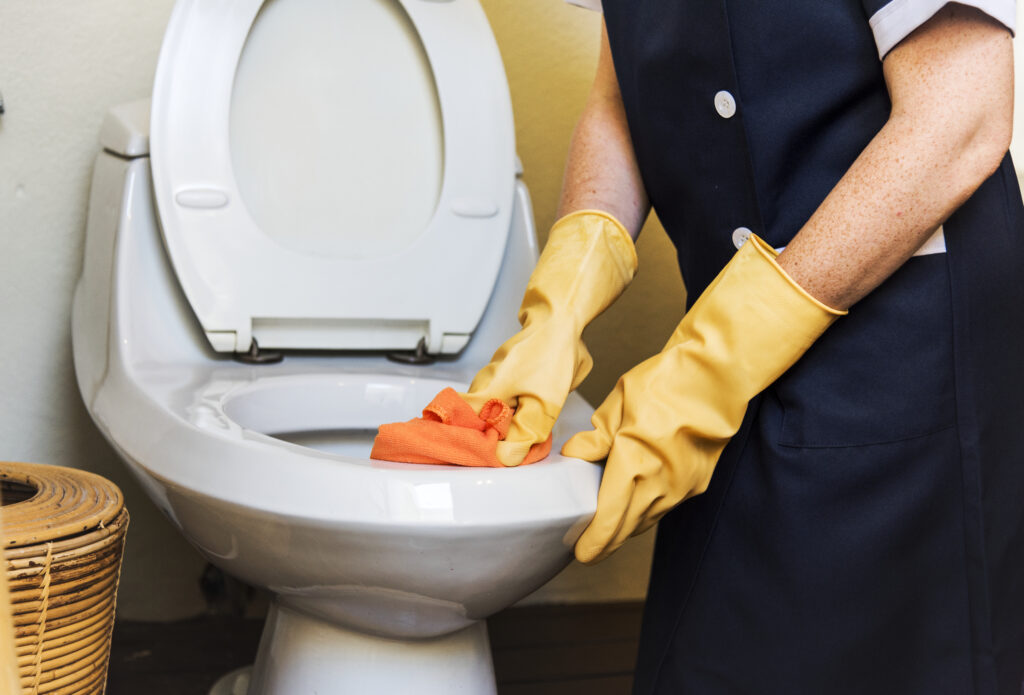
x=243 y=285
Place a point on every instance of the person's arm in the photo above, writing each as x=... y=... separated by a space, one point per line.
x=601 y=172
x=666 y=422
x=951 y=85
x=587 y=262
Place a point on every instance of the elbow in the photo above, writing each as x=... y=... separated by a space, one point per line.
x=983 y=148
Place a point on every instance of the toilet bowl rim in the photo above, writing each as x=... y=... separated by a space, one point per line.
x=141 y=424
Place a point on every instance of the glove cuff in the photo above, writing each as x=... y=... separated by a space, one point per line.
x=615 y=231
x=770 y=254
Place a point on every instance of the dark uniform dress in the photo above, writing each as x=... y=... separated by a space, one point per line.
x=864 y=531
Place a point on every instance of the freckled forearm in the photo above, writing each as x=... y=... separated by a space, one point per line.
x=948 y=132
x=601 y=170
x=904 y=185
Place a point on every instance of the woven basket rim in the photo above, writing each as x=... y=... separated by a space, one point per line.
x=85 y=501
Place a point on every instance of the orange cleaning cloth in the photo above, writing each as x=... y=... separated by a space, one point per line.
x=451 y=432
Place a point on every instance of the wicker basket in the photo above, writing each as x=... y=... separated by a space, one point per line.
x=63 y=536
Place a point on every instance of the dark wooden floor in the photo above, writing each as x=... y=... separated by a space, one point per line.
x=538 y=650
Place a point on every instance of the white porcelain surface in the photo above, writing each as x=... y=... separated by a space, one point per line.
x=393 y=549
x=234 y=683
x=276 y=284
x=300 y=654
x=306 y=108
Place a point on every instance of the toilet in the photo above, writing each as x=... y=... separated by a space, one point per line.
x=315 y=225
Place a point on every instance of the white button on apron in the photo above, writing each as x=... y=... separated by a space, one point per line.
x=725 y=104
x=740 y=236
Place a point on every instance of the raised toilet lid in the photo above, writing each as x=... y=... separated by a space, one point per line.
x=333 y=174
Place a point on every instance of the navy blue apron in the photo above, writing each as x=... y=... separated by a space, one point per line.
x=864 y=531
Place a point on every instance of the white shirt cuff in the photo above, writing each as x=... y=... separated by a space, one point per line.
x=895 y=21
x=588 y=4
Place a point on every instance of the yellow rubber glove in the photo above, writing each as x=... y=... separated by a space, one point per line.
x=586 y=264
x=668 y=419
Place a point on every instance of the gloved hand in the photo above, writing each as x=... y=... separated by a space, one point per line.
x=668 y=419
x=586 y=264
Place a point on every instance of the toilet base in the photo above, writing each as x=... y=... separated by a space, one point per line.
x=301 y=655
x=234 y=683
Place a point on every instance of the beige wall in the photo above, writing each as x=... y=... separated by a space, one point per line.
x=62 y=64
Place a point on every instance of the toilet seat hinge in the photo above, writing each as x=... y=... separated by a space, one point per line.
x=420 y=356
x=257 y=356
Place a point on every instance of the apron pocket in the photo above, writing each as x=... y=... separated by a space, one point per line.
x=883 y=373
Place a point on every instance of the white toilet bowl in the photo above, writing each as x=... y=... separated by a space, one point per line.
x=265 y=470
x=382 y=572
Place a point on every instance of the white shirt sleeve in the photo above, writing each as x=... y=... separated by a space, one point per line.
x=894 y=21
x=589 y=4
